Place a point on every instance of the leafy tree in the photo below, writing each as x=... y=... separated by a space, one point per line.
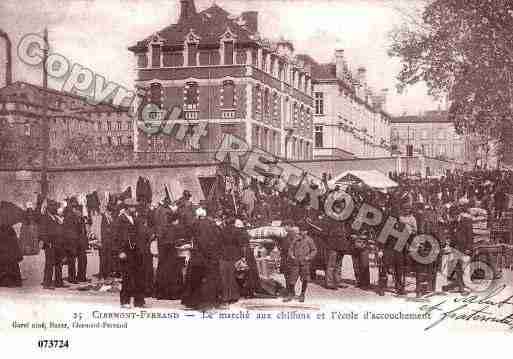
x=462 y=49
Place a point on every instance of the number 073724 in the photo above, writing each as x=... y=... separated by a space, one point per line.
x=53 y=344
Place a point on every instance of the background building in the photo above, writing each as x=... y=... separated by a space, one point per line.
x=75 y=126
x=430 y=134
x=349 y=118
x=217 y=69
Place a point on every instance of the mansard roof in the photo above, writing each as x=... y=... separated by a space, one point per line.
x=209 y=25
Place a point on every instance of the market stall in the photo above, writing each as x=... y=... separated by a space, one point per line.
x=370 y=178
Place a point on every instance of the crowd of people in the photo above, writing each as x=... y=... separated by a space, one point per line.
x=220 y=266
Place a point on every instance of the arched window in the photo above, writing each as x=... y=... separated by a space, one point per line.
x=156 y=94
x=228 y=97
x=191 y=96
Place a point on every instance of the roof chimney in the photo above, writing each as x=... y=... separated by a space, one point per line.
x=250 y=19
x=384 y=95
x=340 y=64
x=187 y=10
x=8 y=54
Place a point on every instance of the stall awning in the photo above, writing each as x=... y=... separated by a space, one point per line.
x=371 y=178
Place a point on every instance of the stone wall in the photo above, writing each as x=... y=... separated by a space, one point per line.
x=20 y=187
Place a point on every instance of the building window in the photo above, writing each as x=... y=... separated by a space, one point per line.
x=99 y=125
x=319 y=103
x=254 y=58
x=266 y=103
x=156 y=94
x=142 y=60
x=129 y=125
x=129 y=139
x=209 y=58
x=228 y=53
x=241 y=57
x=258 y=95
x=265 y=138
x=274 y=144
x=109 y=126
x=276 y=106
x=119 y=126
x=191 y=96
x=153 y=143
x=318 y=136
x=257 y=137
x=192 y=51
x=109 y=140
x=228 y=97
x=120 y=140
x=173 y=59
x=155 y=55
x=27 y=130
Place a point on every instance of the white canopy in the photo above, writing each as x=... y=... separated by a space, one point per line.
x=371 y=178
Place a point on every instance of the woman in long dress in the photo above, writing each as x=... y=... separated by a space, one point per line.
x=231 y=252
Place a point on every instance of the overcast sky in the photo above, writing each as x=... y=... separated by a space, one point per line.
x=97 y=33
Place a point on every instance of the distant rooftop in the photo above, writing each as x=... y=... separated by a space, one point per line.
x=436 y=116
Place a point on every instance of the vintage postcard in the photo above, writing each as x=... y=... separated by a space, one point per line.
x=256 y=177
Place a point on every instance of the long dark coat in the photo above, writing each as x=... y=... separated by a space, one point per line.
x=10 y=256
x=169 y=281
x=203 y=283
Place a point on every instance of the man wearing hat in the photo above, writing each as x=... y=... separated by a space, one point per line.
x=461 y=239
x=52 y=232
x=131 y=256
x=186 y=211
x=302 y=251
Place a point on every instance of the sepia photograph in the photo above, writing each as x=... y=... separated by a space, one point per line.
x=301 y=177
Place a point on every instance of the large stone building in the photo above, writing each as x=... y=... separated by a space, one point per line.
x=430 y=134
x=349 y=118
x=71 y=118
x=218 y=70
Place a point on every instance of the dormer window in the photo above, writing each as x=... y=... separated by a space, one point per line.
x=191 y=48
x=228 y=46
x=228 y=52
x=155 y=55
x=156 y=50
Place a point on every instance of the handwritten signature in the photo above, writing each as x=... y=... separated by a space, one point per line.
x=487 y=308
